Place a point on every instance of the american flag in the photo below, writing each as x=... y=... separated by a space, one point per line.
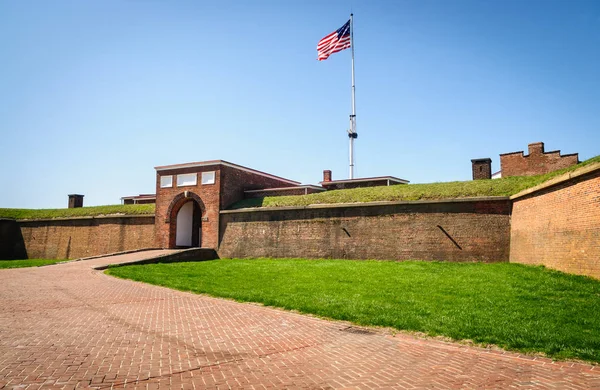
x=334 y=42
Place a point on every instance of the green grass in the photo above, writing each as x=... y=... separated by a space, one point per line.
x=517 y=307
x=407 y=192
x=129 y=209
x=27 y=263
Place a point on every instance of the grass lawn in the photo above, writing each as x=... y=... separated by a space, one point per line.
x=510 y=305
x=27 y=263
x=407 y=192
x=119 y=209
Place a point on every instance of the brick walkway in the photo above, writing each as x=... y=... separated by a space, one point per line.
x=67 y=325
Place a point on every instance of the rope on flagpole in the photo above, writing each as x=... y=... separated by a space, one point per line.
x=352 y=132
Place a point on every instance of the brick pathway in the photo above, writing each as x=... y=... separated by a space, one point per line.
x=66 y=326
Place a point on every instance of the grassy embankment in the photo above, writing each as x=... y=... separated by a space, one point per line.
x=27 y=263
x=458 y=189
x=133 y=209
x=517 y=307
x=407 y=192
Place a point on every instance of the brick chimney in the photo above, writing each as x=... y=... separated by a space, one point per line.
x=482 y=168
x=75 y=200
x=536 y=148
x=326 y=175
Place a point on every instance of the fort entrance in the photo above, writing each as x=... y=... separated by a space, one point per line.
x=188 y=229
x=189 y=198
x=185 y=214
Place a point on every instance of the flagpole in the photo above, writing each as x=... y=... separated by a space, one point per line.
x=352 y=132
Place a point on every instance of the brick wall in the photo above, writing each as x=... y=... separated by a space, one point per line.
x=12 y=245
x=556 y=224
x=459 y=230
x=559 y=225
x=537 y=162
x=236 y=181
x=82 y=237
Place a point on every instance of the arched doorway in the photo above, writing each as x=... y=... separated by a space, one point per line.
x=188 y=231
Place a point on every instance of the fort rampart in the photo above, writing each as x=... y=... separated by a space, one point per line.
x=72 y=238
x=556 y=224
x=452 y=230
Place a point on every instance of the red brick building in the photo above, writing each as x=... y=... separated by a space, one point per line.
x=139 y=199
x=190 y=196
x=284 y=191
x=379 y=181
x=537 y=162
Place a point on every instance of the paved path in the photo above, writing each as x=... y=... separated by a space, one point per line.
x=67 y=325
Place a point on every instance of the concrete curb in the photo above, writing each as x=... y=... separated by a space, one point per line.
x=116 y=254
x=558 y=180
x=184 y=255
x=368 y=204
x=99 y=256
x=109 y=216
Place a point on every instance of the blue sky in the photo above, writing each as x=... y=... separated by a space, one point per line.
x=95 y=94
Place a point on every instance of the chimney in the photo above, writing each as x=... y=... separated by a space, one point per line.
x=482 y=168
x=75 y=200
x=326 y=175
x=536 y=148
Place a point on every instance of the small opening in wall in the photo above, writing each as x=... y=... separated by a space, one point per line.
x=208 y=178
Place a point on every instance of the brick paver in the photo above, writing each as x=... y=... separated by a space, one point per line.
x=67 y=325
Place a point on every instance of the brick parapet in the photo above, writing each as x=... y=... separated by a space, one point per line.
x=91 y=217
x=71 y=238
x=585 y=170
x=502 y=199
x=557 y=224
x=537 y=162
x=451 y=230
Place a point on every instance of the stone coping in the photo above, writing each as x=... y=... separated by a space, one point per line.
x=558 y=180
x=176 y=256
x=368 y=204
x=99 y=256
x=113 y=216
x=116 y=254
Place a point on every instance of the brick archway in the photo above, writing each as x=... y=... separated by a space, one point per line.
x=171 y=217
